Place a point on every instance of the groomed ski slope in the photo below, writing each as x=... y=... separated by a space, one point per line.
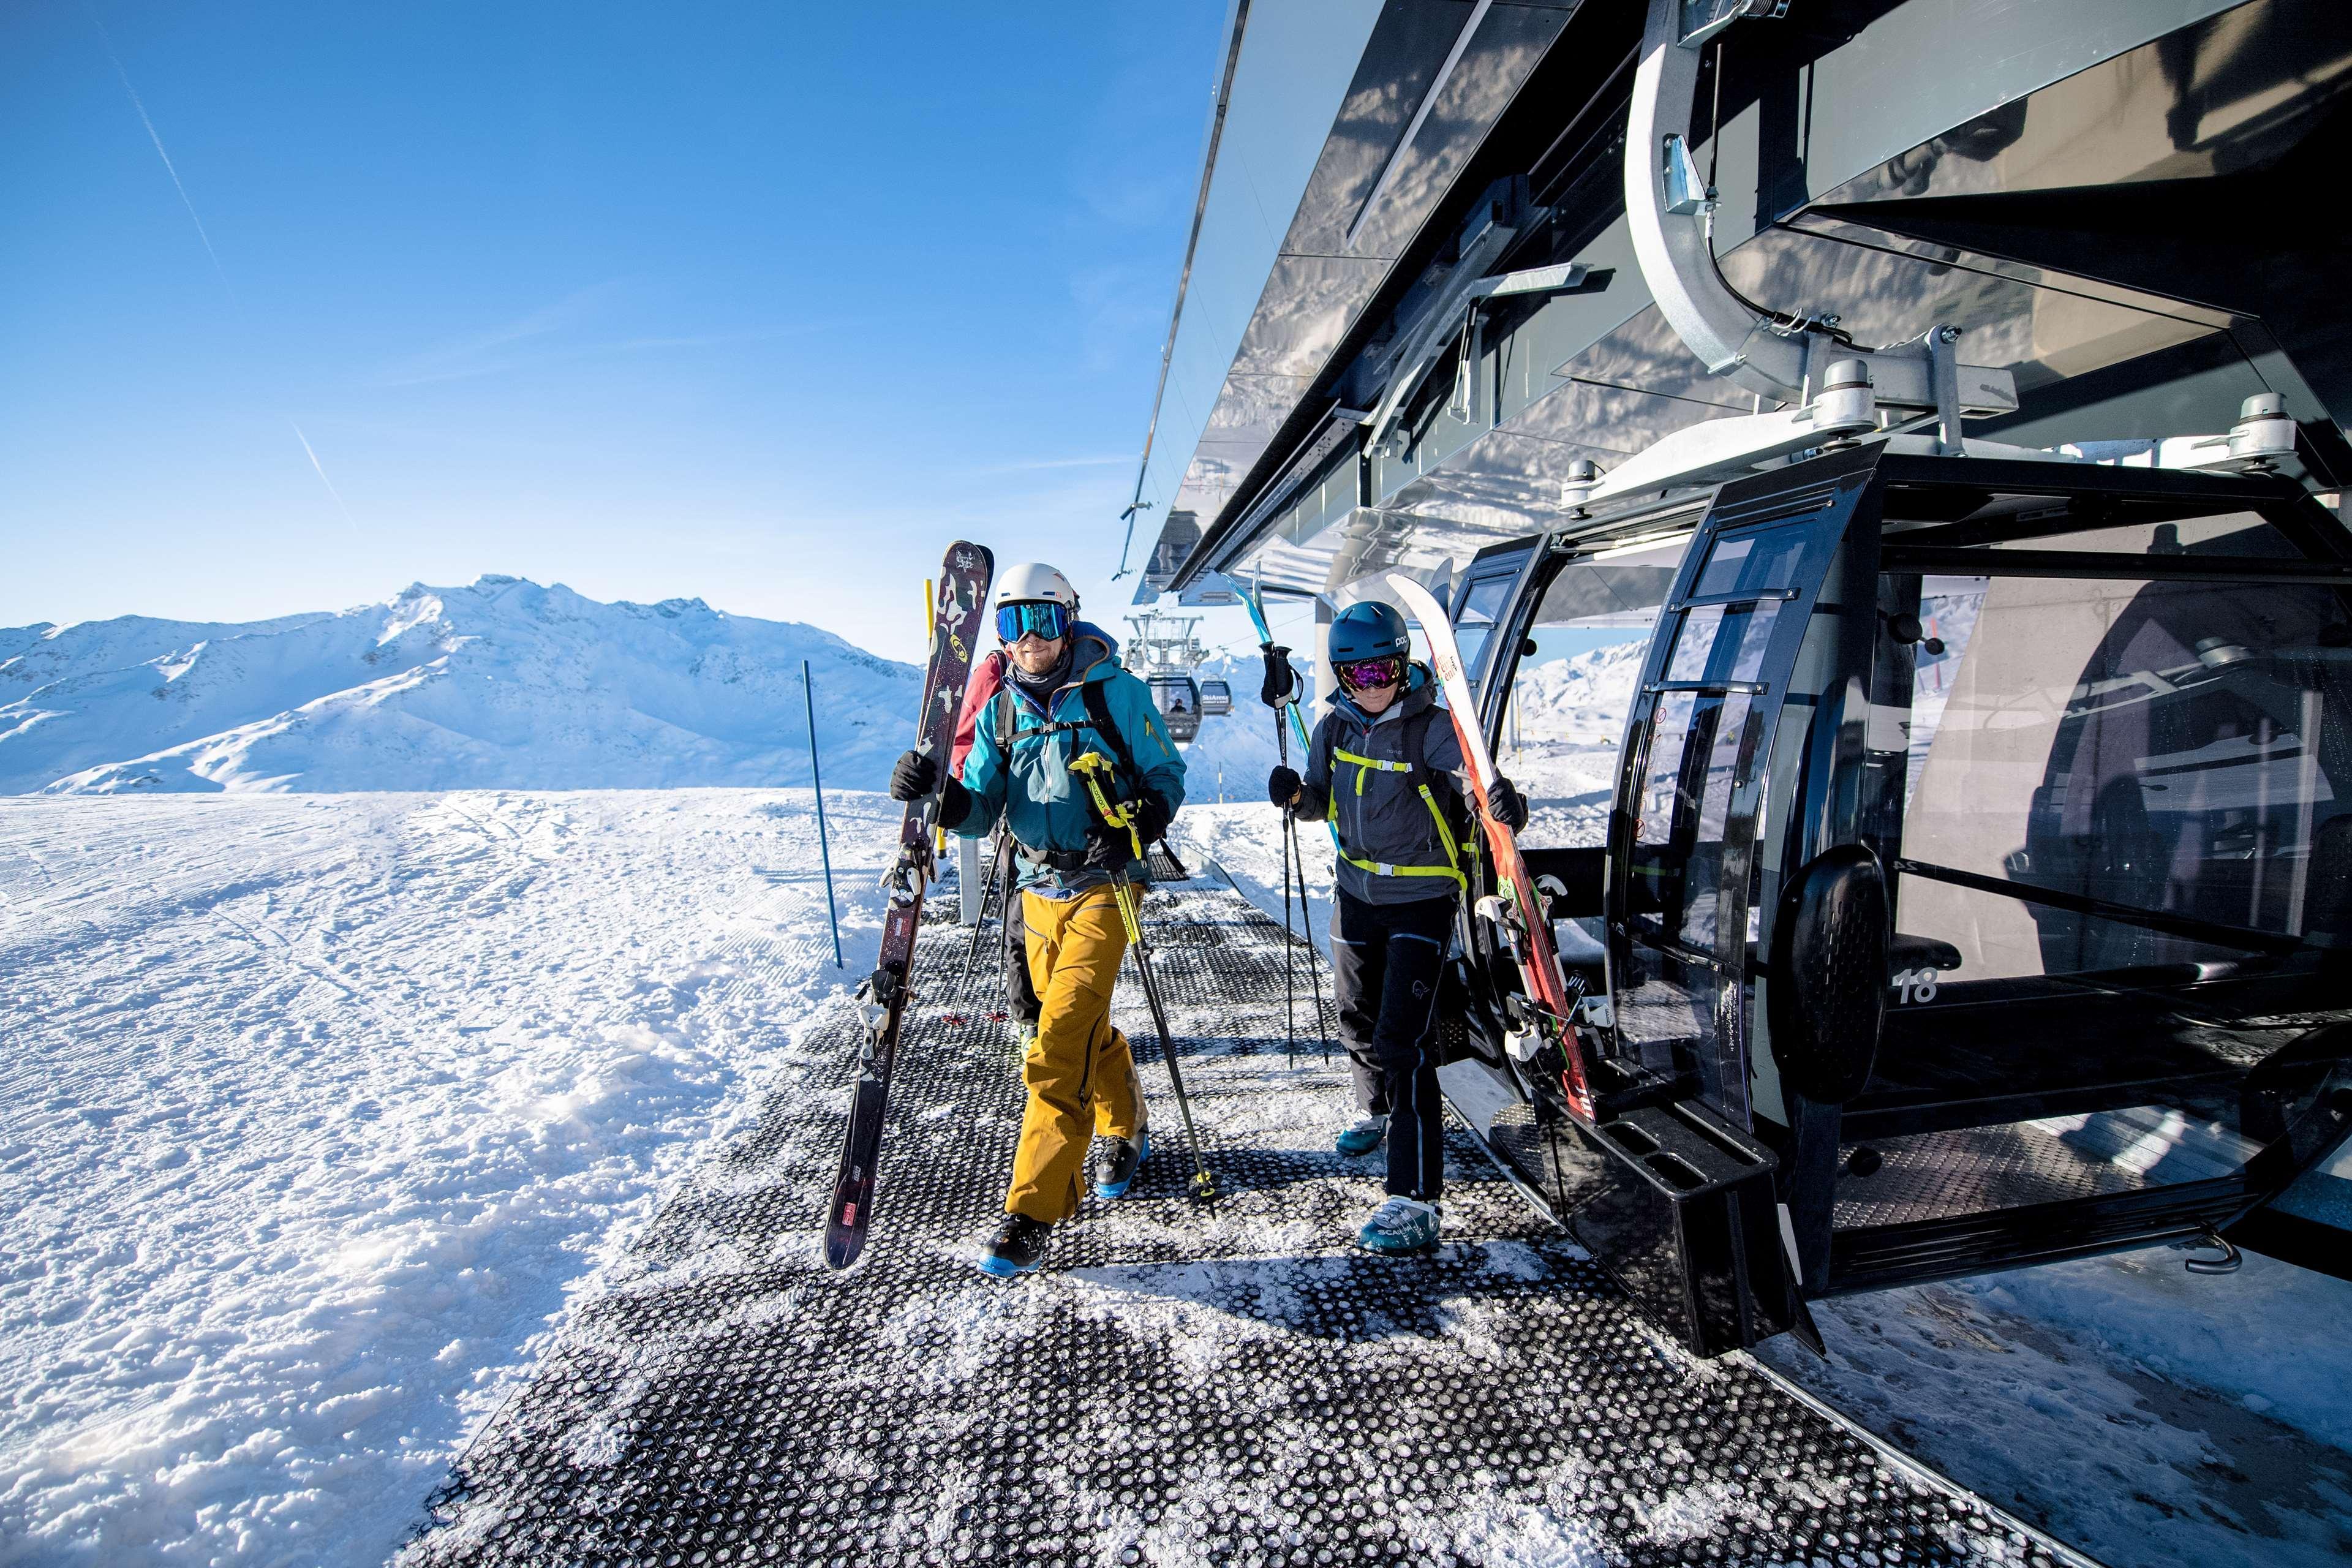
x=315 y=1111
x=319 y=1111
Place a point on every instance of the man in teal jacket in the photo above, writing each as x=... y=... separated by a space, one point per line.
x=1065 y=695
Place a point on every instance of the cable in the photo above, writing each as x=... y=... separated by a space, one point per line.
x=1784 y=323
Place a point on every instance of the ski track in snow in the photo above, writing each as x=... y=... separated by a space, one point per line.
x=318 y=1110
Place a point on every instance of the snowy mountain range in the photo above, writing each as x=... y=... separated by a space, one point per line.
x=501 y=684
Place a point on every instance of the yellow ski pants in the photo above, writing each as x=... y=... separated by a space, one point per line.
x=1079 y=1072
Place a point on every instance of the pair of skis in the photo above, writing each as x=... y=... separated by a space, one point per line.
x=956 y=607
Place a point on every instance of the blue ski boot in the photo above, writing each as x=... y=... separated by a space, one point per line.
x=1018 y=1247
x=1362 y=1135
x=1400 y=1225
x=1116 y=1166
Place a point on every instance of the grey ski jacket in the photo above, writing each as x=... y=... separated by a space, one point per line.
x=1392 y=849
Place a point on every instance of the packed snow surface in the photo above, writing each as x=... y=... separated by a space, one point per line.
x=501 y=684
x=317 y=1110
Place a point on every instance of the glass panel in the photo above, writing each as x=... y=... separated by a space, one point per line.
x=1720 y=643
x=1665 y=1012
x=1684 y=799
x=1566 y=716
x=1752 y=563
x=1476 y=623
x=2181 y=747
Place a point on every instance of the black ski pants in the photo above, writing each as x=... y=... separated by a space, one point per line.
x=1020 y=991
x=1385 y=961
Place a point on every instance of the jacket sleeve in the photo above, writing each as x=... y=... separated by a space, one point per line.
x=1315 y=786
x=1441 y=748
x=1156 y=756
x=984 y=780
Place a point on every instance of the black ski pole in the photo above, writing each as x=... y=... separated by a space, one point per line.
x=1306 y=919
x=1204 y=1185
x=1088 y=767
x=1289 y=959
x=990 y=893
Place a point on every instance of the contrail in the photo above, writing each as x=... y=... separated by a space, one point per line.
x=106 y=40
x=322 y=476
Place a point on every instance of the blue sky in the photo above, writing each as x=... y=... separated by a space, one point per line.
x=762 y=303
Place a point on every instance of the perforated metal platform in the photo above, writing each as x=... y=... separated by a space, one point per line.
x=1235 y=1385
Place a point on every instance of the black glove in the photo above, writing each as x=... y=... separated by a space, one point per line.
x=1281 y=680
x=1505 y=804
x=916 y=776
x=1152 y=817
x=1108 y=849
x=1282 y=786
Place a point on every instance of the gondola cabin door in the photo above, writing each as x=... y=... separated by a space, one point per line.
x=1683 y=888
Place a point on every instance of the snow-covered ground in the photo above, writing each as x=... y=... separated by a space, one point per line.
x=503 y=684
x=316 y=1111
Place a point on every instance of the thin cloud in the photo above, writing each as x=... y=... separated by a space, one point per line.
x=475 y=357
x=106 y=41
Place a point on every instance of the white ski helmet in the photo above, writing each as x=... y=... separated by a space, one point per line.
x=1033 y=581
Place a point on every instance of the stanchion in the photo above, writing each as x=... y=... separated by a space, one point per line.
x=816 y=779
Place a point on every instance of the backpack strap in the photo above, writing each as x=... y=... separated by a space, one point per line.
x=1130 y=777
x=1456 y=817
x=1413 y=739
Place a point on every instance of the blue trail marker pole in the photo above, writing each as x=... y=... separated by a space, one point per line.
x=808 y=694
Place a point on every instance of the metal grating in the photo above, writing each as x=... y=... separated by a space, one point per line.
x=1970 y=1170
x=1230 y=1387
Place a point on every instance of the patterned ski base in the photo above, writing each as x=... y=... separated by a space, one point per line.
x=1230 y=1385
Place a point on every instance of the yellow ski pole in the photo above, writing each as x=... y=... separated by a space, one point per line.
x=1089 y=767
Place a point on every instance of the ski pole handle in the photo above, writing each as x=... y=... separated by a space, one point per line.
x=1086 y=767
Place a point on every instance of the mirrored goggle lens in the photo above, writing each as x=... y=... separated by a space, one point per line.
x=1366 y=673
x=1047 y=620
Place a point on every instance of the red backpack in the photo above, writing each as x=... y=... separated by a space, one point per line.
x=987 y=676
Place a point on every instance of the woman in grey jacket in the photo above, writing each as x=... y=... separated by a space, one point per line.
x=1382 y=768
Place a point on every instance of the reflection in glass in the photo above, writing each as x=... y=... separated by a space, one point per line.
x=2179 y=747
x=1684 y=802
x=1759 y=563
x=1476 y=622
x=1720 y=643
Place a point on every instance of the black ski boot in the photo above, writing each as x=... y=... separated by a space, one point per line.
x=1018 y=1247
x=1116 y=1165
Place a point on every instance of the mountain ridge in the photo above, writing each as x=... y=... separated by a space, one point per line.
x=502 y=683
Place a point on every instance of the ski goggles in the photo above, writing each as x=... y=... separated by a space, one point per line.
x=1364 y=674
x=1046 y=617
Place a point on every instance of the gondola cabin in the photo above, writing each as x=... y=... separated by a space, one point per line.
x=1974 y=884
x=1887 y=459
x=1178 y=698
x=1216 y=698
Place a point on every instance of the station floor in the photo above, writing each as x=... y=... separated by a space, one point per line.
x=1229 y=1384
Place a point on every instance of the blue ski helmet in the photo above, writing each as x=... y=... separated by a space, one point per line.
x=1369 y=629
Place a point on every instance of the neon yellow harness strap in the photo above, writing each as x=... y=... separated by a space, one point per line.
x=1365 y=766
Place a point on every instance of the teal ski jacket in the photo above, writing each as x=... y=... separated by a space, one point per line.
x=1045 y=804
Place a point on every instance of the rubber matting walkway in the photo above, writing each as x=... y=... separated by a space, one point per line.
x=1234 y=1385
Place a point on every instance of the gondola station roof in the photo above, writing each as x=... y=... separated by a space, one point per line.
x=1462 y=328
